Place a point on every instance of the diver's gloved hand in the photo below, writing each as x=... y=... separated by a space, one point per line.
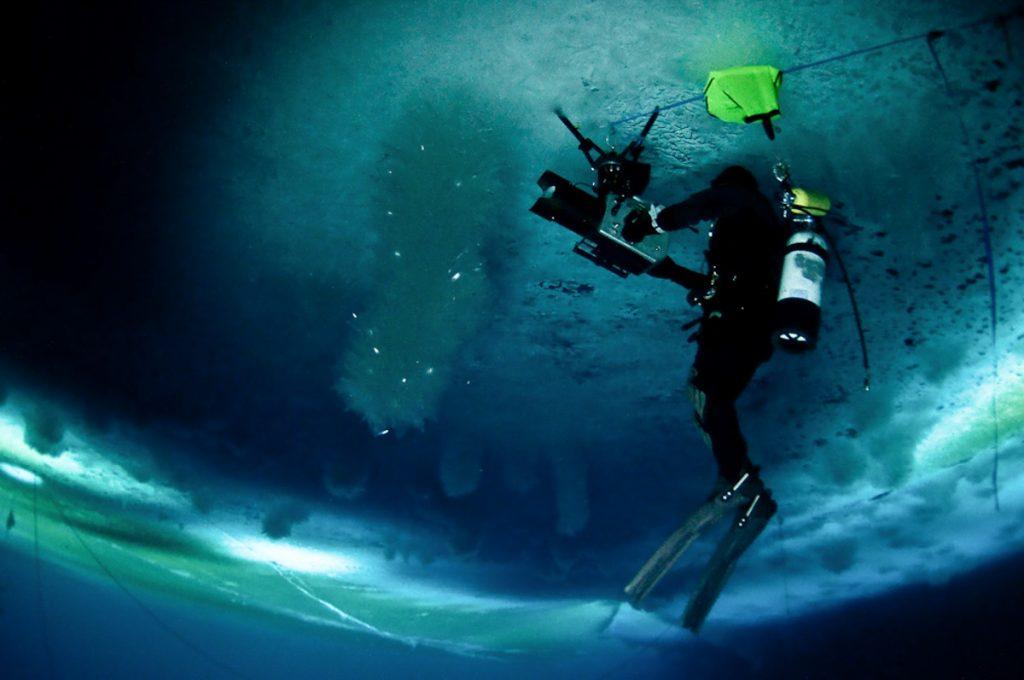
x=638 y=225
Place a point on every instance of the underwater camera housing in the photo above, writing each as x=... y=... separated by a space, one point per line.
x=621 y=177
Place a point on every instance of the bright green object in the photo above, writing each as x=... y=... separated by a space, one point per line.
x=806 y=202
x=744 y=94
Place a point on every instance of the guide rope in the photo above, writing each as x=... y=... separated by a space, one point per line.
x=999 y=19
x=986 y=235
x=853 y=304
x=44 y=624
x=153 y=616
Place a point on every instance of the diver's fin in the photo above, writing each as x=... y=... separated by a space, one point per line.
x=750 y=522
x=673 y=548
x=727 y=495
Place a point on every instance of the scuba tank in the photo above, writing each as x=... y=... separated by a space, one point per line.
x=808 y=250
x=798 y=310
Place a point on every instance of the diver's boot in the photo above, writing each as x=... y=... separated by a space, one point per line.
x=750 y=521
x=727 y=495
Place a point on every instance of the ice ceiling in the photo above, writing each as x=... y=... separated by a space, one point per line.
x=387 y=155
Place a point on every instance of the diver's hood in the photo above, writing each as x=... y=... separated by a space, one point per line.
x=735 y=176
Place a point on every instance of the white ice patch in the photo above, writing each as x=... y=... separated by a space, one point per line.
x=293 y=557
x=962 y=434
x=81 y=467
x=20 y=474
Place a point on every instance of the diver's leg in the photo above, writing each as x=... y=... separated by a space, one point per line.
x=722 y=427
x=721 y=372
x=718 y=377
x=716 y=381
x=672 y=271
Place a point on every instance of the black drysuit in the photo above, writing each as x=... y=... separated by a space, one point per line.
x=745 y=254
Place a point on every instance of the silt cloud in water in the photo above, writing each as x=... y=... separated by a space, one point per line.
x=437 y=198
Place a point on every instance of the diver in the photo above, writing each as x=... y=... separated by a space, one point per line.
x=766 y=274
x=763 y=286
x=738 y=301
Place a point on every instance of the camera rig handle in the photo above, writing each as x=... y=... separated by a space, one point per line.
x=618 y=173
x=587 y=145
x=636 y=145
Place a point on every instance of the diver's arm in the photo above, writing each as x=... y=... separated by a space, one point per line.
x=672 y=271
x=704 y=205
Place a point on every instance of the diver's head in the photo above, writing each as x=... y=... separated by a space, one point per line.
x=735 y=176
